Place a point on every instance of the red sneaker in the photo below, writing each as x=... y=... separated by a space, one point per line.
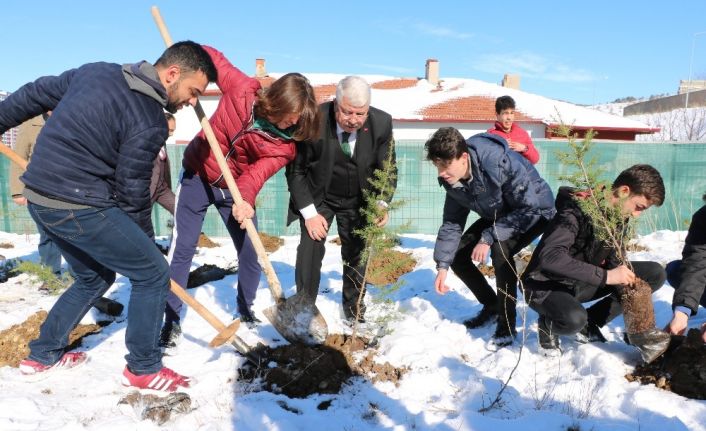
x=165 y=380
x=69 y=360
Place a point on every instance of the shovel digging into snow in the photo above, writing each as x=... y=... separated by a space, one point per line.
x=290 y=317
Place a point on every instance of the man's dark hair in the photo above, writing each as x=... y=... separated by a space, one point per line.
x=191 y=57
x=643 y=180
x=504 y=102
x=445 y=144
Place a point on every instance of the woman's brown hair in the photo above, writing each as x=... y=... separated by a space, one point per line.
x=291 y=94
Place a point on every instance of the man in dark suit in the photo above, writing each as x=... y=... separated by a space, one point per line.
x=327 y=180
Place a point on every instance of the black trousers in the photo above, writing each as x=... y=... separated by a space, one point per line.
x=561 y=304
x=310 y=253
x=502 y=253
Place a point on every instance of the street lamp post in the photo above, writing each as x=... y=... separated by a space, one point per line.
x=691 y=64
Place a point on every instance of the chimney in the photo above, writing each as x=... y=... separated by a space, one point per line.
x=432 y=71
x=260 y=71
x=511 y=81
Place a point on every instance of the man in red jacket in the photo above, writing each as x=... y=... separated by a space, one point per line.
x=516 y=137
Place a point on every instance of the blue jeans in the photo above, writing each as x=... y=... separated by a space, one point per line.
x=97 y=243
x=49 y=253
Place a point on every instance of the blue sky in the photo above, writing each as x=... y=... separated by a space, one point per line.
x=582 y=52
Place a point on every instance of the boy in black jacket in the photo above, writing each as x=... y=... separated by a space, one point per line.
x=571 y=266
x=688 y=276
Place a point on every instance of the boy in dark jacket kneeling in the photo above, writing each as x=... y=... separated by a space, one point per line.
x=514 y=203
x=571 y=265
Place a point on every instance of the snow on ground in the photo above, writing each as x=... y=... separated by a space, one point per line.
x=451 y=372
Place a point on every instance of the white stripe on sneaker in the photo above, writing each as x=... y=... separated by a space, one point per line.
x=159 y=383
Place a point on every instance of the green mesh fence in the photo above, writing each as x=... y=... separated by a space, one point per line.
x=681 y=165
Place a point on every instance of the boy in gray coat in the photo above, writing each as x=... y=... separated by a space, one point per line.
x=514 y=203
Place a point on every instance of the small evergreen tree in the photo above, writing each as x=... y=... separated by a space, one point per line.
x=609 y=224
x=379 y=239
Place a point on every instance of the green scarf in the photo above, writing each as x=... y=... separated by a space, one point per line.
x=266 y=126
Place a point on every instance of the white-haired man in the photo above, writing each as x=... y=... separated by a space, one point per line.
x=327 y=180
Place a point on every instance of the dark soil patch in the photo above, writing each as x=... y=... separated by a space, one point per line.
x=389 y=265
x=638 y=312
x=271 y=243
x=205 y=241
x=14 y=341
x=297 y=370
x=207 y=273
x=682 y=369
x=7 y=245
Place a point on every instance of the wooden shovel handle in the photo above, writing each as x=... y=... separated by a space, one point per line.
x=272 y=280
x=13 y=156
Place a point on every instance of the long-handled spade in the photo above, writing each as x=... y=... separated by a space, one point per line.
x=295 y=321
x=225 y=333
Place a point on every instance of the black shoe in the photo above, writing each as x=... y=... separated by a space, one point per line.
x=548 y=341
x=108 y=306
x=504 y=334
x=591 y=333
x=249 y=319
x=486 y=316
x=170 y=335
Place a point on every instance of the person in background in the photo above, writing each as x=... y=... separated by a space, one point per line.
x=688 y=276
x=327 y=180
x=256 y=130
x=88 y=185
x=514 y=203
x=517 y=138
x=161 y=184
x=49 y=253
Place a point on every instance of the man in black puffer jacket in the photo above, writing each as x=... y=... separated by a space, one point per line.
x=88 y=186
x=571 y=265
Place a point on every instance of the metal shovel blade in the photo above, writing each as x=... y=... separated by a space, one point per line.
x=298 y=322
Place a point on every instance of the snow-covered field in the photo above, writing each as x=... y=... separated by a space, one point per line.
x=451 y=372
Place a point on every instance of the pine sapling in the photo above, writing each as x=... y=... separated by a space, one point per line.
x=378 y=239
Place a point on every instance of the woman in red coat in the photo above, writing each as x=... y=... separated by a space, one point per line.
x=256 y=130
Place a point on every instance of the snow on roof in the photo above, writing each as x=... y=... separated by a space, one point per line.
x=405 y=100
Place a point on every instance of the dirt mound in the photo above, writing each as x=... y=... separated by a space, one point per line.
x=271 y=243
x=14 y=341
x=206 y=273
x=297 y=370
x=682 y=369
x=389 y=265
x=206 y=242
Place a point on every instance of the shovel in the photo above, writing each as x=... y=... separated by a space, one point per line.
x=225 y=333
x=295 y=321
